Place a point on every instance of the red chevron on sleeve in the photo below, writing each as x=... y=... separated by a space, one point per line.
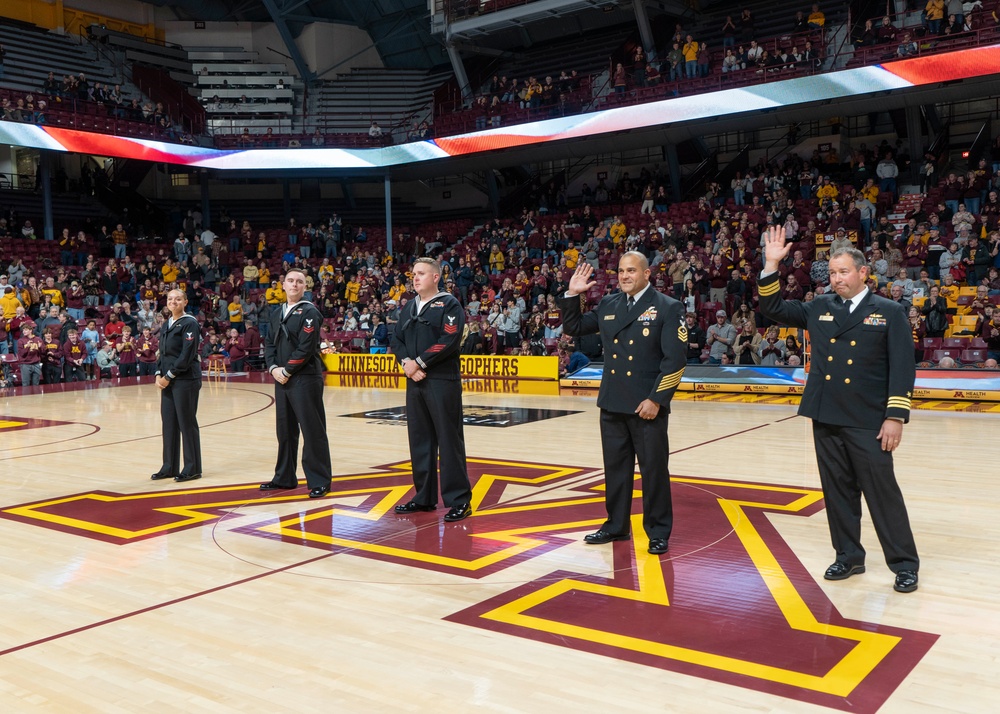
x=296 y=361
x=435 y=348
x=451 y=329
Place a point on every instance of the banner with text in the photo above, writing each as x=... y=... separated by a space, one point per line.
x=473 y=366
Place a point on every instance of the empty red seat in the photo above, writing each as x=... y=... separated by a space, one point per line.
x=930 y=345
x=938 y=355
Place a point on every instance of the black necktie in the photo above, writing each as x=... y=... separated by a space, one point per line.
x=843 y=308
x=630 y=303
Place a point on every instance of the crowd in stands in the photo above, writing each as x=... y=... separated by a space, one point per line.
x=941 y=21
x=511 y=100
x=538 y=97
x=61 y=100
x=944 y=262
x=953 y=17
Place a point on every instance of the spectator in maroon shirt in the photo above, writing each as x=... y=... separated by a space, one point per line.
x=237 y=352
x=146 y=353
x=718 y=278
x=30 y=350
x=74 y=353
x=52 y=358
x=128 y=358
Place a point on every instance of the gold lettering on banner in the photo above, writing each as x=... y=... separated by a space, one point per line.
x=472 y=366
x=489 y=367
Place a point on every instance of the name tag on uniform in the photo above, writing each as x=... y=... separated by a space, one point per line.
x=609 y=317
x=826 y=318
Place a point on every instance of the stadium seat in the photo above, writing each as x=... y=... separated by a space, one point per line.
x=973 y=356
x=930 y=345
x=937 y=355
x=708 y=311
x=964 y=303
x=963 y=324
x=11 y=367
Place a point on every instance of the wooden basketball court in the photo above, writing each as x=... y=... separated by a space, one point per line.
x=128 y=595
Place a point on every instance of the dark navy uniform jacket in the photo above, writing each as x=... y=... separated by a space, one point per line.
x=645 y=348
x=293 y=340
x=433 y=338
x=862 y=369
x=179 y=357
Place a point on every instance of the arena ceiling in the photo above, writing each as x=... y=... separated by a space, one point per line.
x=401 y=29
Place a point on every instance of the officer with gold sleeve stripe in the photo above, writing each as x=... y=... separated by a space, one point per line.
x=858 y=396
x=645 y=349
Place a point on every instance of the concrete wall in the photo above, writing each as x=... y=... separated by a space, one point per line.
x=323 y=45
x=138 y=13
x=334 y=49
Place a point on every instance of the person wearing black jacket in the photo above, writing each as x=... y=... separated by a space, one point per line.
x=645 y=342
x=935 y=310
x=292 y=356
x=473 y=342
x=858 y=394
x=379 y=336
x=464 y=278
x=695 y=339
x=110 y=285
x=426 y=343
x=178 y=376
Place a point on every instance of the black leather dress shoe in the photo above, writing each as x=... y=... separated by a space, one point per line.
x=906 y=581
x=159 y=476
x=413 y=507
x=457 y=513
x=319 y=492
x=602 y=536
x=842 y=571
x=187 y=477
x=658 y=546
x=272 y=486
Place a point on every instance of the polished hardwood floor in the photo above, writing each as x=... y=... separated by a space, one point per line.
x=128 y=595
